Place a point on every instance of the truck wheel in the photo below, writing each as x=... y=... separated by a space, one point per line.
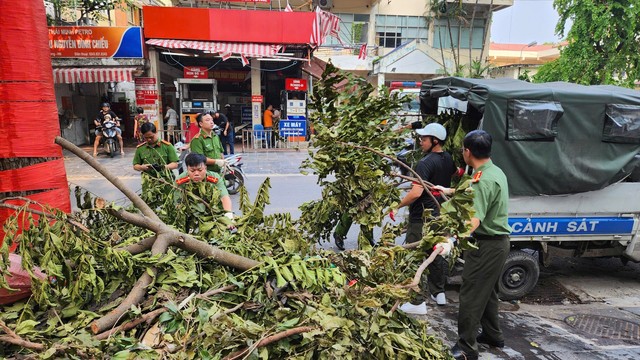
x=519 y=275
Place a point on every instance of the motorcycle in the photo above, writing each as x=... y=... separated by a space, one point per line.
x=233 y=175
x=110 y=138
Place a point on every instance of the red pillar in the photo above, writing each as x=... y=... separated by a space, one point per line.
x=30 y=162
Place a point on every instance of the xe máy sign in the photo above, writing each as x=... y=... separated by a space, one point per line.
x=95 y=42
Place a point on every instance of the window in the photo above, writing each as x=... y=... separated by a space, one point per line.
x=459 y=32
x=394 y=30
x=622 y=124
x=354 y=29
x=533 y=119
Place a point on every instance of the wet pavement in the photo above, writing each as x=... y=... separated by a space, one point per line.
x=581 y=308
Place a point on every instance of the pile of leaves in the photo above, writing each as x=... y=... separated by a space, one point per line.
x=297 y=302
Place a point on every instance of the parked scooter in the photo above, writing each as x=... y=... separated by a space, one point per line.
x=233 y=175
x=110 y=137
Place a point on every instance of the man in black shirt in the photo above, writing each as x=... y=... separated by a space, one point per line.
x=222 y=121
x=436 y=167
x=106 y=114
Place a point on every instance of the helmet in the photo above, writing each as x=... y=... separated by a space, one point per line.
x=434 y=129
x=139 y=110
x=228 y=105
x=106 y=104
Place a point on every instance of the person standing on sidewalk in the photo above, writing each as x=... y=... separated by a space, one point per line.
x=482 y=267
x=222 y=121
x=172 y=121
x=207 y=143
x=267 y=121
x=436 y=167
x=231 y=133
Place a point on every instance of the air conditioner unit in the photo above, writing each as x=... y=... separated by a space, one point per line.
x=324 y=4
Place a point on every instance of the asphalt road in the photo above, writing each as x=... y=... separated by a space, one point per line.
x=581 y=308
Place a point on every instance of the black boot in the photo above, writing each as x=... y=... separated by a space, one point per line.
x=339 y=239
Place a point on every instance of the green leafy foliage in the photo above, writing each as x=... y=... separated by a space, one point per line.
x=344 y=303
x=602 y=44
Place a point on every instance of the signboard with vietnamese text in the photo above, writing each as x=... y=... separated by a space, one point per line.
x=256 y=98
x=229 y=75
x=293 y=126
x=295 y=84
x=95 y=42
x=195 y=72
x=147 y=97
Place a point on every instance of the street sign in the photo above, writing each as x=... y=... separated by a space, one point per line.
x=257 y=98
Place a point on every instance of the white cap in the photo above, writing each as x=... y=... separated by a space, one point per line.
x=228 y=105
x=434 y=129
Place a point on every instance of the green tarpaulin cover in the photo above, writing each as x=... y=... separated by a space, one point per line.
x=551 y=138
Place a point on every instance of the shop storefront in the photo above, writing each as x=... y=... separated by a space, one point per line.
x=240 y=58
x=92 y=65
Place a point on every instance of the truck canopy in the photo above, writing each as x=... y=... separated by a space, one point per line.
x=550 y=138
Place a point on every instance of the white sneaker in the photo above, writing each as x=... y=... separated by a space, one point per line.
x=409 y=308
x=440 y=299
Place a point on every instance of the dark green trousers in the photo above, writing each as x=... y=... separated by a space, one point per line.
x=436 y=277
x=479 y=293
x=345 y=224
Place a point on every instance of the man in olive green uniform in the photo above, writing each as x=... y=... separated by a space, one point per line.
x=155 y=158
x=482 y=267
x=197 y=172
x=207 y=143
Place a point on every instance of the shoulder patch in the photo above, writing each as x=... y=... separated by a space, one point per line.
x=144 y=143
x=166 y=142
x=196 y=135
x=476 y=177
x=212 y=179
x=183 y=180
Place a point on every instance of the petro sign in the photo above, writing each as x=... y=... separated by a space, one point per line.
x=295 y=84
x=95 y=42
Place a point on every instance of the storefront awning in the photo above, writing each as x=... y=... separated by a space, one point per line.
x=225 y=49
x=92 y=75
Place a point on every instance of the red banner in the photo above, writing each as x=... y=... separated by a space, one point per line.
x=228 y=75
x=146 y=91
x=295 y=84
x=195 y=72
x=256 y=98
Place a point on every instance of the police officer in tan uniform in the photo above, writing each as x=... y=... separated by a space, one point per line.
x=482 y=267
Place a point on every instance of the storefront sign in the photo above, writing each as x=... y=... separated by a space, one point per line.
x=245 y=114
x=295 y=84
x=95 y=42
x=195 y=72
x=229 y=75
x=256 y=98
x=293 y=126
x=147 y=97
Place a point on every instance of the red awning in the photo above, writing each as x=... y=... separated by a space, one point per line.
x=225 y=49
x=92 y=75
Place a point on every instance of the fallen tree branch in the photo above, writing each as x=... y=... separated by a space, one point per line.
x=208 y=251
x=416 y=278
x=38 y=212
x=137 y=293
x=139 y=247
x=425 y=184
x=271 y=339
x=148 y=317
x=15 y=339
x=135 y=199
x=216 y=291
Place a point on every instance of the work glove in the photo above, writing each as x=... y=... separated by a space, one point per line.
x=231 y=226
x=220 y=162
x=444 y=248
x=443 y=190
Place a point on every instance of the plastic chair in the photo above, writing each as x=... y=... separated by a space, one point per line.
x=259 y=135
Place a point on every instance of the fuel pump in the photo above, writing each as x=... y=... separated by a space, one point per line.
x=195 y=96
x=293 y=123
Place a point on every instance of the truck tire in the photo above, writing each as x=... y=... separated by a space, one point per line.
x=519 y=275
